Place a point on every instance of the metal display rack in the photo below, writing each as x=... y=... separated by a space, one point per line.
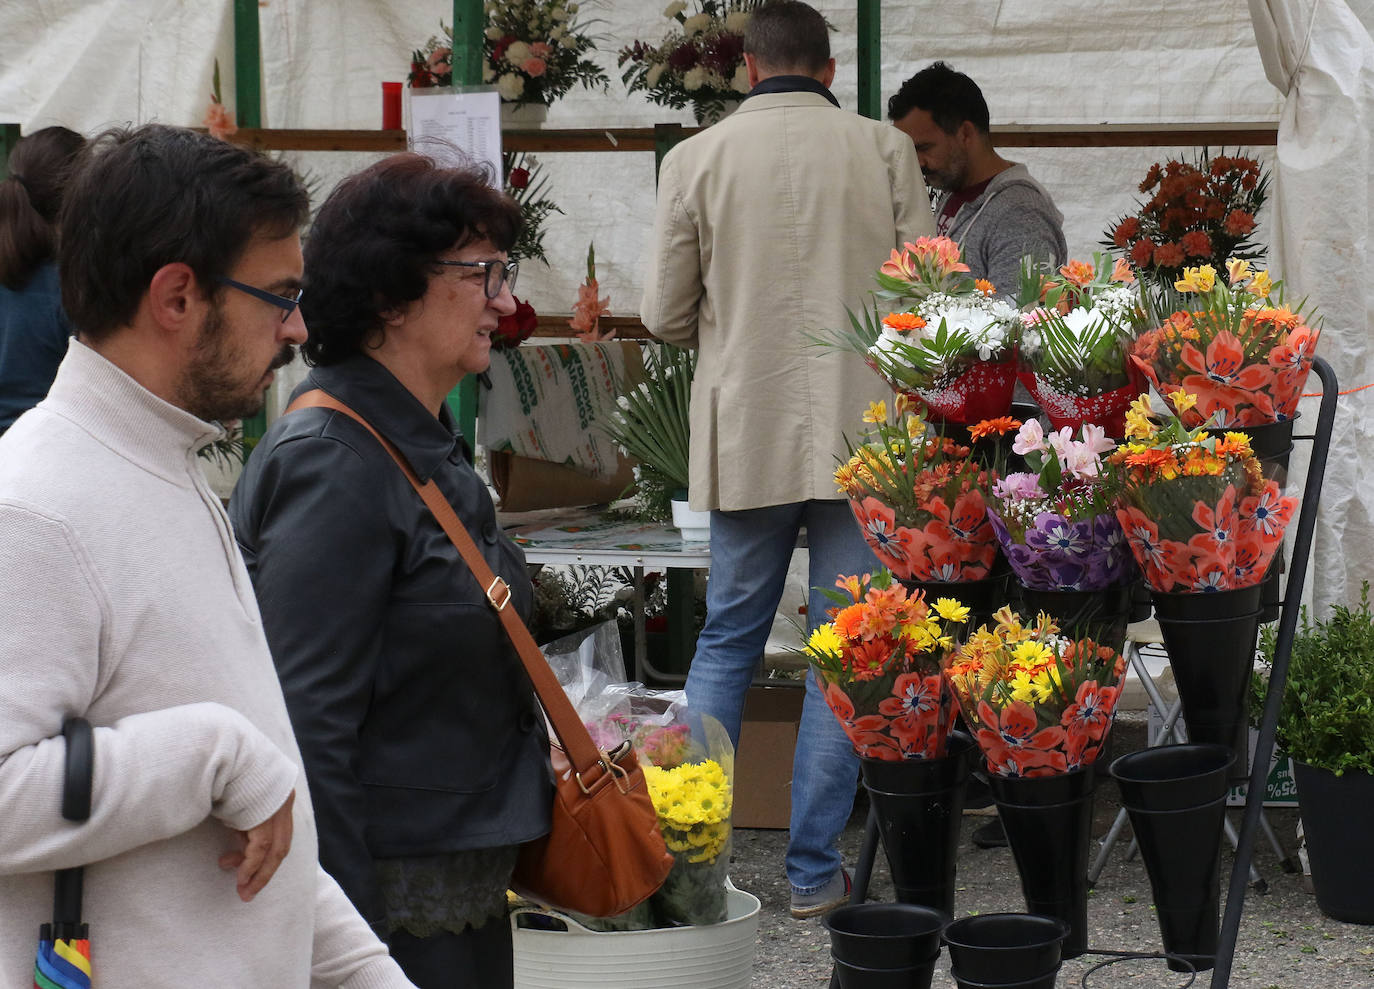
x=1241 y=867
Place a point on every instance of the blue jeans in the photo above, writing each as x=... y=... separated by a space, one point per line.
x=750 y=551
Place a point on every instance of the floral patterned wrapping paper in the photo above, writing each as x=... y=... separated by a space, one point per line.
x=957 y=543
x=1061 y=554
x=1037 y=703
x=878 y=664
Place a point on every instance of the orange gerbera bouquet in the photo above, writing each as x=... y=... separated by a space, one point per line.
x=878 y=663
x=1037 y=703
x=1196 y=509
x=921 y=499
x=1242 y=359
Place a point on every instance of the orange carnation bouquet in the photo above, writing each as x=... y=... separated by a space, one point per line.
x=878 y=663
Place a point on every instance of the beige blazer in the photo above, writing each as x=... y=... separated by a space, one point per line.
x=768 y=225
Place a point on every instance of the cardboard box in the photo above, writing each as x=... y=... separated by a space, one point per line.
x=763 y=764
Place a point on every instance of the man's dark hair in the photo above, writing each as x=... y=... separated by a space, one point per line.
x=788 y=35
x=30 y=200
x=949 y=97
x=156 y=195
x=373 y=245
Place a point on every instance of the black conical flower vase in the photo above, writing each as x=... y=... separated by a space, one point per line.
x=982 y=597
x=1210 y=638
x=1048 y=821
x=1101 y=615
x=1176 y=798
x=919 y=804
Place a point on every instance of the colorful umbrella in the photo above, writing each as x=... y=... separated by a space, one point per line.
x=64 y=946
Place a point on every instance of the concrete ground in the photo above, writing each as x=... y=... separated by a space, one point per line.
x=1285 y=941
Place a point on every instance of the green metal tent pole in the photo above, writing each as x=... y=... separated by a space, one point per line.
x=870 y=59
x=469 y=23
x=9 y=137
x=248 y=113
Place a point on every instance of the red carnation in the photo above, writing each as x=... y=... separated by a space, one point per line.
x=1126 y=231
x=1197 y=244
x=1169 y=255
x=1142 y=252
x=1238 y=223
x=519 y=178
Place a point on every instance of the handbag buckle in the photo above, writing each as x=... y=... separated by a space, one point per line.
x=501 y=588
x=616 y=772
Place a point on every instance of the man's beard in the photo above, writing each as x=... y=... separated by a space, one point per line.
x=208 y=388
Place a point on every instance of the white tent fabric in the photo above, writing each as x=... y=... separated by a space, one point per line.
x=92 y=63
x=1320 y=54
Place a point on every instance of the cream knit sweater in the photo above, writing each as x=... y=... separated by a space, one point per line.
x=123 y=599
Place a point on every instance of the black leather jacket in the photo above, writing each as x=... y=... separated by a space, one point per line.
x=415 y=719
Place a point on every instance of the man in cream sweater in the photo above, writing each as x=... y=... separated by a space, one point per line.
x=123 y=599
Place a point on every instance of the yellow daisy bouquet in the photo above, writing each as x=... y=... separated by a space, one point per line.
x=693 y=799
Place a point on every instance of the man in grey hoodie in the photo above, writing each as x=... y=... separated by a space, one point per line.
x=990 y=206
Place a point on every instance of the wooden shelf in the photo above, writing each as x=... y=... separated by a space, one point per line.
x=626 y=327
x=642 y=139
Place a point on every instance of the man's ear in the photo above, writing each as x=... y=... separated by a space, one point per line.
x=968 y=134
x=174 y=298
x=827 y=74
x=751 y=66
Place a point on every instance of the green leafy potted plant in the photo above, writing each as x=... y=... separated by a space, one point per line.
x=651 y=425
x=1326 y=723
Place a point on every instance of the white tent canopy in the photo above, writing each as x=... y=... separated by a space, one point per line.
x=1078 y=62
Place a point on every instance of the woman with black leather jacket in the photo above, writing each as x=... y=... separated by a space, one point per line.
x=426 y=755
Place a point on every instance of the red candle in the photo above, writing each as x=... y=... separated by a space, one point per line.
x=391 y=105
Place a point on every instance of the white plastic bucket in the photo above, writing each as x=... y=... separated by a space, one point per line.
x=716 y=956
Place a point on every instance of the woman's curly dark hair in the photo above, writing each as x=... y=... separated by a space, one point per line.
x=373 y=245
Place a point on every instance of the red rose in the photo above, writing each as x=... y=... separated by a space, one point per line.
x=519 y=178
x=518 y=326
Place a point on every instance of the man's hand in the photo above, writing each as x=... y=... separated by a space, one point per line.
x=263 y=849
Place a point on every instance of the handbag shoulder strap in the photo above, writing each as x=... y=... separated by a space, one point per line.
x=572 y=733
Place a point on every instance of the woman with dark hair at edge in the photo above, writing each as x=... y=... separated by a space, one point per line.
x=426 y=753
x=33 y=328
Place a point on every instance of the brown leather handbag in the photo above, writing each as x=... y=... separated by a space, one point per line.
x=604 y=852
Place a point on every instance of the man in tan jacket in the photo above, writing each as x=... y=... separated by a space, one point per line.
x=769 y=225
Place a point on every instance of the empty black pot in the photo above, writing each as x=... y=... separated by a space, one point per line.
x=993 y=948
x=1101 y=615
x=1048 y=821
x=1176 y=798
x=1045 y=981
x=919 y=805
x=1210 y=638
x=884 y=935
x=863 y=977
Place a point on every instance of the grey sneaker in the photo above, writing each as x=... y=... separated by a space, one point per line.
x=833 y=894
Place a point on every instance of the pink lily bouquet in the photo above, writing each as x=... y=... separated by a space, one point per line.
x=1057 y=522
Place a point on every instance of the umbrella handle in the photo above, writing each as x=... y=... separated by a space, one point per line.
x=76 y=784
x=76 y=806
